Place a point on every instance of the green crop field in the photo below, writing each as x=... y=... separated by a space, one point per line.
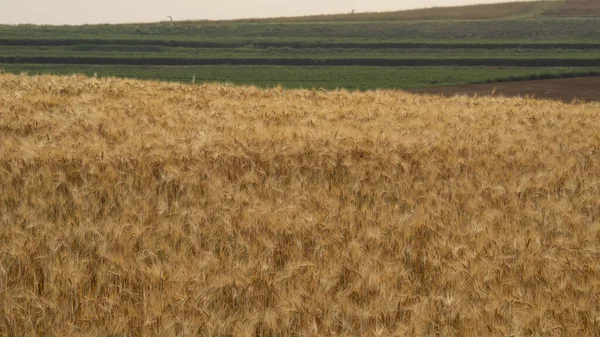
x=456 y=45
x=363 y=78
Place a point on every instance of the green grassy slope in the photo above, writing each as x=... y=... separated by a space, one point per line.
x=506 y=10
x=575 y=8
x=519 y=9
x=479 y=31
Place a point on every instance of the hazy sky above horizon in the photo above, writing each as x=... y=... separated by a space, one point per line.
x=59 y=12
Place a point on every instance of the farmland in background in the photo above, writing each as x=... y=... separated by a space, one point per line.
x=541 y=34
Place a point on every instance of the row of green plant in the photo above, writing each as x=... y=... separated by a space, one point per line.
x=127 y=51
x=161 y=61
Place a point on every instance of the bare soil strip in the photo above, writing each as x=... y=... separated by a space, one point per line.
x=567 y=90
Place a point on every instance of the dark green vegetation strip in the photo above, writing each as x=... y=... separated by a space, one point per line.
x=308 y=62
x=302 y=45
x=363 y=78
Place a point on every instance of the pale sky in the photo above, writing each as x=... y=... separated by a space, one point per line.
x=73 y=12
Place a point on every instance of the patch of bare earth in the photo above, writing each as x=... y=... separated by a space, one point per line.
x=566 y=90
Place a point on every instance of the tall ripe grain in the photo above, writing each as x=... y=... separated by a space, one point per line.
x=134 y=208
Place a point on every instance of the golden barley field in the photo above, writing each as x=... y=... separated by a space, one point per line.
x=132 y=208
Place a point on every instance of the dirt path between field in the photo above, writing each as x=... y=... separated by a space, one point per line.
x=582 y=88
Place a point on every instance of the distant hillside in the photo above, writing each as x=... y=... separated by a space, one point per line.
x=576 y=8
x=508 y=10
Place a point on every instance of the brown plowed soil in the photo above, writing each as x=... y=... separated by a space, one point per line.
x=567 y=90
